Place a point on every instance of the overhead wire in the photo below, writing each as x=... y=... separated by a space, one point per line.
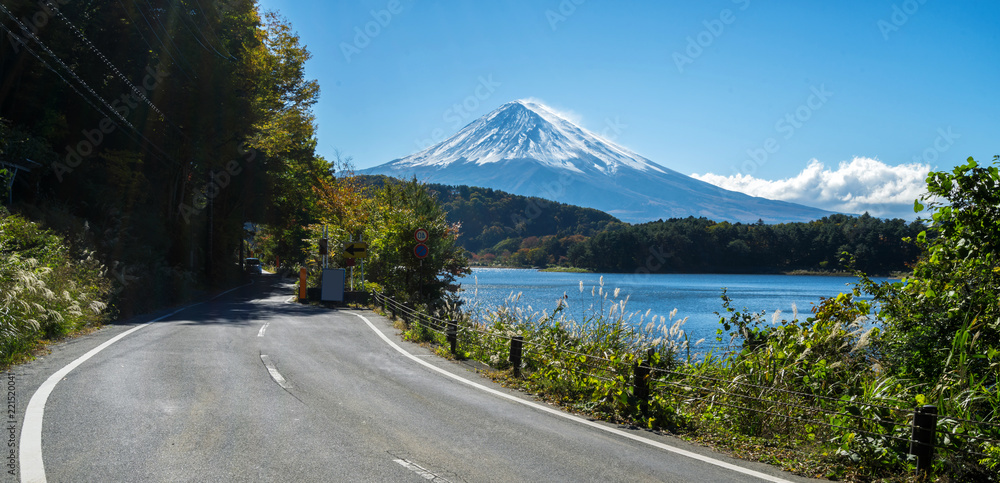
x=49 y=67
x=107 y=62
x=134 y=23
x=62 y=64
x=158 y=39
x=166 y=32
x=212 y=31
x=228 y=57
x=110 y=117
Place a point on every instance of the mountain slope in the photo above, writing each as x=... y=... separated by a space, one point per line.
x=526 y=148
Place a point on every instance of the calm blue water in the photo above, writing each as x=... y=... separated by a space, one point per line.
x=695 y=296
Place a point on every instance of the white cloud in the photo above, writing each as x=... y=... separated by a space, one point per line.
x=857 y=186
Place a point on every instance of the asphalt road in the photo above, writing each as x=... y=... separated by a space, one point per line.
x=249 y=387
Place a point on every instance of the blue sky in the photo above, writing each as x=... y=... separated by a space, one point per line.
x=842 y=105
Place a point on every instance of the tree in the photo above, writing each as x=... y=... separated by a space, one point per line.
x=397 y=210
x=947 y=315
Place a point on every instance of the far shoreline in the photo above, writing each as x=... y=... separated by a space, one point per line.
x=807 y=273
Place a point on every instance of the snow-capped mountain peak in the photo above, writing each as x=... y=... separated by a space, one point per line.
x=525 y=129
x=526 y=148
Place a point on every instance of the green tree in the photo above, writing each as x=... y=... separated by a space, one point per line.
x=397 y=210
x=953 y=290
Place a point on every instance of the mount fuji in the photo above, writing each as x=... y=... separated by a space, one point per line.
x=526 y=148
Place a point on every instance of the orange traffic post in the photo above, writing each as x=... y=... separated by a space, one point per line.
x=302 y=284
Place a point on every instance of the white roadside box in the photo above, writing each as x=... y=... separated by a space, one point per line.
x=332 y=285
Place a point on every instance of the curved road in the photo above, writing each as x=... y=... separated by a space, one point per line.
x=249 y=387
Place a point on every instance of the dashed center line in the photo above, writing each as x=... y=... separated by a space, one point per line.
x=420 y=470
x=263 y=328
x=273 y=371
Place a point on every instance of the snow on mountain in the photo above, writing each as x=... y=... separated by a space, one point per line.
x=527 y=130
x=526 y=148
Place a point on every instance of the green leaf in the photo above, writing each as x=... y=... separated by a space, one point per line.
x=917 y=206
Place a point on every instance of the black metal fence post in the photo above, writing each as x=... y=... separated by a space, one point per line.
x=453 y=337
x=640 y=384
x=922 y=440
x=515 y=354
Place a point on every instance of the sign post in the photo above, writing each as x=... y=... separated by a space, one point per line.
x=352 y=251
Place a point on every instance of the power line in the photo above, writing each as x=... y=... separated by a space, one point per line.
x=87 y=99
x=166 y=33
x=136 y=90
x=212 y=31
x=64 y=66
x=136 y=25
x=229 y=58
x=167 y=49
x=46 y=64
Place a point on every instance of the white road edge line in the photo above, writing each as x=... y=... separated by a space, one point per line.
x=273 y=371
x=577 y=419
x=263 y=328
x=32 y=465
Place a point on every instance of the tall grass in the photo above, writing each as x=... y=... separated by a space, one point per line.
x=46 y=291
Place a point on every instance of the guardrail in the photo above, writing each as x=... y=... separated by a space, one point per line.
x=893 y=423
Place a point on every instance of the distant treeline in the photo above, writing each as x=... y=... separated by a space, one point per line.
x=702 y=245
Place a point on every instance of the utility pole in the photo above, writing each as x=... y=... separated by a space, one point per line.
x=211 y=224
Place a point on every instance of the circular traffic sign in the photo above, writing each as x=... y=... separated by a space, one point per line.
x=420 y=235
x=421 y=250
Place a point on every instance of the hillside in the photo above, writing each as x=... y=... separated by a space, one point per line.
x=500 y=228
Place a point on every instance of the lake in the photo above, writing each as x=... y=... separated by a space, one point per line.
x=696 y=296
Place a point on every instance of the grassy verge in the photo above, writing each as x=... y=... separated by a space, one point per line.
x=47 y=289
x=805 y=395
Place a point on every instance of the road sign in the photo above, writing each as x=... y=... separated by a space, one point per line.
x=322 y=246
x=420 y=235
x=356 y=250
x=421 y=250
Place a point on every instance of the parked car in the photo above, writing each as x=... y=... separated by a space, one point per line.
x=252 y=266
